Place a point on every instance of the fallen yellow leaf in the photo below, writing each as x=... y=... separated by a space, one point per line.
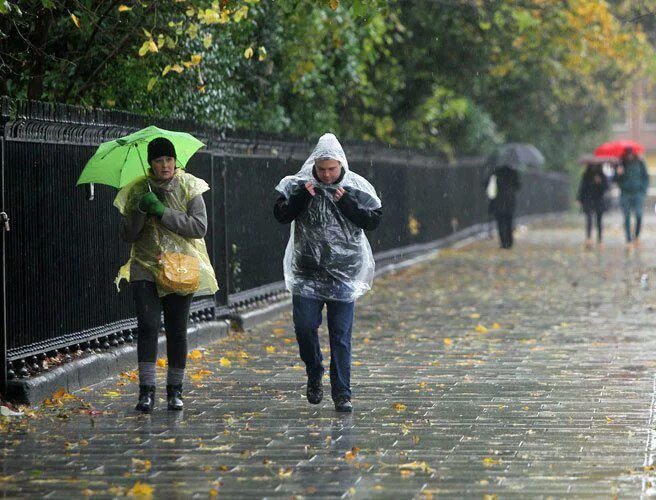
x=225 y=362
x=270 y=349
x=200 y=374
x=447 y=341
x=285 y=472
x=195 y=354
x=481 y=329
x=141 y=465
x=140 y=490
x=409 y=469
x=131 y=375
x=62 y=395
x=161 y=362
x=399 y=406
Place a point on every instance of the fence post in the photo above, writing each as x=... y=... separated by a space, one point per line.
x=220 y=232
x=3 y=290
x=226 y=250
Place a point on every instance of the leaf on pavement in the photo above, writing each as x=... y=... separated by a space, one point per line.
x=195 y=355
x=200 y=374
x=139 y=465
x=140 y=490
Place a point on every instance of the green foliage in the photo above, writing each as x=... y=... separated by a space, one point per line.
x=457 y=76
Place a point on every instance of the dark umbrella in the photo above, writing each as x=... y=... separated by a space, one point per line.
x=589 y=159
x=516 y=155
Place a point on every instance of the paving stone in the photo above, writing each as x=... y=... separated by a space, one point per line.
x=556 y=401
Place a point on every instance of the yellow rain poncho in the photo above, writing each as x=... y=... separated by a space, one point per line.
x=155 y=239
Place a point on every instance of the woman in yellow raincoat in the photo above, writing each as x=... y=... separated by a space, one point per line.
x=165 y=219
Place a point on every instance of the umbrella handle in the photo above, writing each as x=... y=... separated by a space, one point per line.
x=143 y=167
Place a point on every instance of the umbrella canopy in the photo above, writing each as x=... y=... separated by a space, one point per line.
x=616 y=148
x=590 y=159
x=516 y=155
x=119 y=162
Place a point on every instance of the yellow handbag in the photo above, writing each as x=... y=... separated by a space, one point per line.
x=179 y=273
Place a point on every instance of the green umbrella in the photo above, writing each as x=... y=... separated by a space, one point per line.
x=119 y=162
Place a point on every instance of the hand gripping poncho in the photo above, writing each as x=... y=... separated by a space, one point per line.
x=328 y=257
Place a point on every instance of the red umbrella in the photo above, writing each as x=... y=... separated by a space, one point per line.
x=616 y=148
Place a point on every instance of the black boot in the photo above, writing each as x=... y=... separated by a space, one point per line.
x=146 y=398
x=174 y=397
x=314 y=391
x=343 y=405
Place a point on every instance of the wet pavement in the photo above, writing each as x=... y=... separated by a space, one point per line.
x=478 y=373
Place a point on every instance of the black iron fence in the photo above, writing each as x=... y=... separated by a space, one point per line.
x=63 y=251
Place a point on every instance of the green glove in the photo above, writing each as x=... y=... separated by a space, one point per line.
x=146 y=200
x=152 y=204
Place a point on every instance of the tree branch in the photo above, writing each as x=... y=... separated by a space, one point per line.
x=119 y=47
x=88 y=44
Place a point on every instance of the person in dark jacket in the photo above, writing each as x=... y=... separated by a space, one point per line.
x=592 y=189
x=633 y=179
x=328 y=260
x=502 y=187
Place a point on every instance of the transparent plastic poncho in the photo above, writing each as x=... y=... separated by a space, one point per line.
x=328 y=257
x=156 y=239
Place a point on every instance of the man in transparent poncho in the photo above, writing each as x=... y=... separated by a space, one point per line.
x=328 y=260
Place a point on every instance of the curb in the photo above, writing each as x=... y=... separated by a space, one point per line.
x=94 y=368
x=249 y=320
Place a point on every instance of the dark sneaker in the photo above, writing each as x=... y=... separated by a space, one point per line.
x=314 y=391
x=146 y=398
x=174 y=397
x=343 y=405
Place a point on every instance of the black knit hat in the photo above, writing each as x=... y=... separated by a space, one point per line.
x=160 y=146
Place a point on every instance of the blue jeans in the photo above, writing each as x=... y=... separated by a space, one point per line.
x=632 y=203
x=307 y=319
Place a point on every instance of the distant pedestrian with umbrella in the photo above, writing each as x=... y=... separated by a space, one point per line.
x=633 y=179
x=165 y=219
x=503 y=184
x=591 y=197
x=502 y=187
